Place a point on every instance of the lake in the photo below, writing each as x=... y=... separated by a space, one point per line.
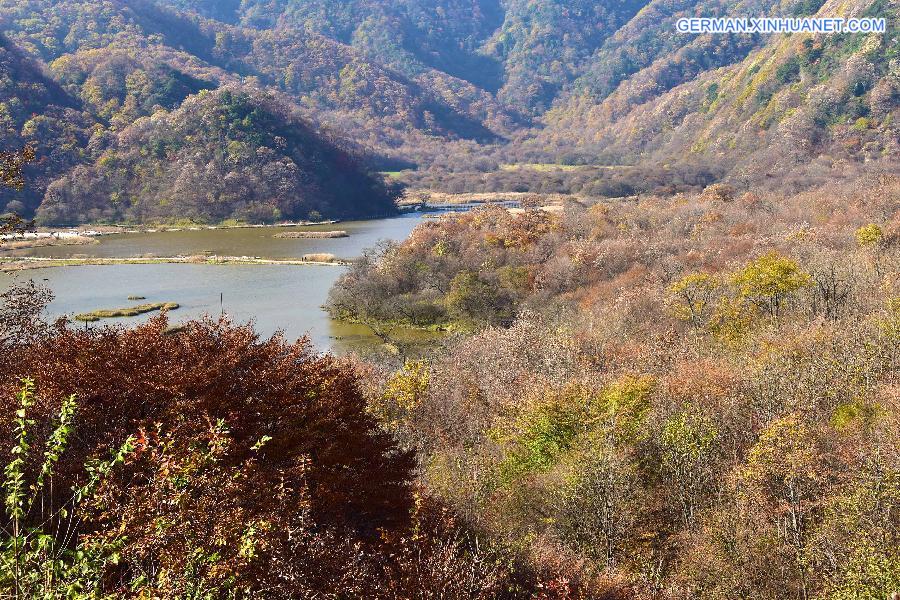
x=275 y=297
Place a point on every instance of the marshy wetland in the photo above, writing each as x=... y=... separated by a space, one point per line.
x=271 y=286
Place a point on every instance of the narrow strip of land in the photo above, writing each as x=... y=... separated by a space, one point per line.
x=34 y=262
x=312 y=235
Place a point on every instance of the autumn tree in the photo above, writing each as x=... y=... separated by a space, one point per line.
x=869 y=235
x=598 y=505
x=695 y=295
x=768 y=281
x=472 y=300
x=12 y=165
x=786 y=473
x=688 y=448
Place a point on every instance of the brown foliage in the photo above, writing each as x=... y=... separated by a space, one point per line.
x=11 y=165
x=131 y=379
x=257 y=469
x=325 y=467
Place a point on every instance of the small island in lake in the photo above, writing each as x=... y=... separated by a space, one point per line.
x=131 y=311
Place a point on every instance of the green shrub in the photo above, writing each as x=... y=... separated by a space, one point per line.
x=38 y=561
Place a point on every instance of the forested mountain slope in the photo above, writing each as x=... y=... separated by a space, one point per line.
x=829 y=99
x=611 y=82
x=337 y=83
x=227 y=154
x=527 y=51
x=108 y=64
x=408 y=35
x=33 y=107
x=462 y=87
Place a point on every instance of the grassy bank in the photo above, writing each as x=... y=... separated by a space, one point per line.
x=27 y=243
x=91 y=231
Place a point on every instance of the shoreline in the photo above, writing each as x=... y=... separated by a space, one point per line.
x=92 y=231
x=427 y=201
x=31 y=262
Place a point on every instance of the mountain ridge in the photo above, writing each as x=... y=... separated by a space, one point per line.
x=451 y=90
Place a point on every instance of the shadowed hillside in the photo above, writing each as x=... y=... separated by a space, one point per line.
x=228 y=154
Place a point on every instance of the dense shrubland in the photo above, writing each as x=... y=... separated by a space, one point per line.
x=207 y=462
x=482 y=266
x=669 y=397
x=695 y=397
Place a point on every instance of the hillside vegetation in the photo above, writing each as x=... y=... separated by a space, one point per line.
x=118 y=70
x=792 y=110
x=238 y=467
x=221 y=155
x=449 y=91
x=32 y=107
x=674 y=397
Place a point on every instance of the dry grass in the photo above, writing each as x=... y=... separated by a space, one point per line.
x=541 y=167
x=311 y=235
x=320 y=257
x=8 y=264
x=47 y=241
x=435 y=197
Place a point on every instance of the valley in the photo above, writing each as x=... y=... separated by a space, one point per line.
x=456 y=299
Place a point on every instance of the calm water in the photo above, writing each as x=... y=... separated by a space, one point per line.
x=274 y=297
x=240 y=242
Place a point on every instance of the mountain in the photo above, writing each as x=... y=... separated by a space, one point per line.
x=225 y=154
x=757 y=108
x=614 y=83
x=108 y=65
x=454 y=91
x=380 y=103
x=34 y=109
x=524 y=51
